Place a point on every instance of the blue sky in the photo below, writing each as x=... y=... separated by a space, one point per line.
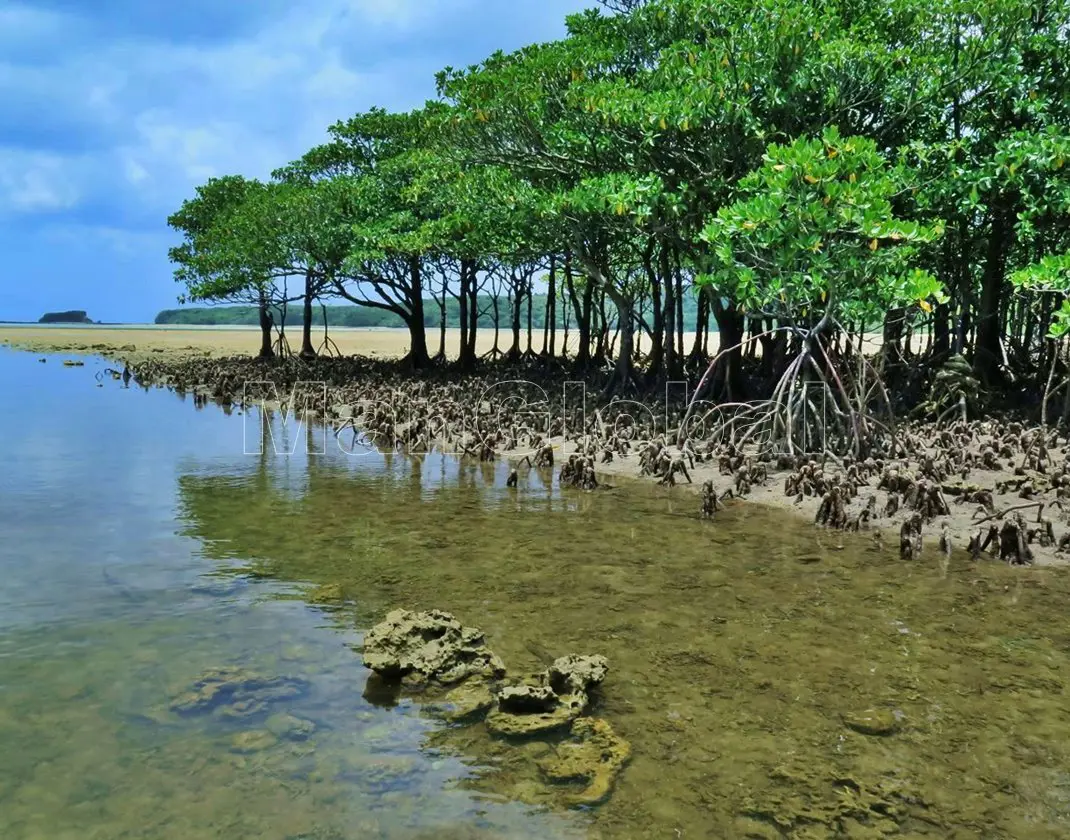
x=112 y=111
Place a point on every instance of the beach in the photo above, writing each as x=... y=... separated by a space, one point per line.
x=153 y=340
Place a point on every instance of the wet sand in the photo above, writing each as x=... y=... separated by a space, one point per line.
x=245 y=341
x=144 y=339
x=194 y=341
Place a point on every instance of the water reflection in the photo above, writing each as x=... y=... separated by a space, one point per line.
x=114 y=606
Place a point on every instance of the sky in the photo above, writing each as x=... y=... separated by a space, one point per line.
x=113 y=111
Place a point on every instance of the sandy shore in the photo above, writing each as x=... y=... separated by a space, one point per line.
x=193 y=341
x=173 y=341
x=245 y=341
x=141 y=340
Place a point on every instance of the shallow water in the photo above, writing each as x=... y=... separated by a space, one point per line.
x=142 y=548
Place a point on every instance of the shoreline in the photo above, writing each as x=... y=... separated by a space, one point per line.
x=994 y=481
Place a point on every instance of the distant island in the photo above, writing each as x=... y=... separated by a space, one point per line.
x=74 y=316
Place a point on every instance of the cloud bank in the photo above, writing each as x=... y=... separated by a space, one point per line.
x=112 y=111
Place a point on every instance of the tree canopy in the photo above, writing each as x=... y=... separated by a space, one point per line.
x=781 y=162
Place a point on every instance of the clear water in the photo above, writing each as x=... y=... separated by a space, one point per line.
x=140 y=548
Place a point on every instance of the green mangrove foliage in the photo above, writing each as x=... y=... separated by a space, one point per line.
x=792 y=174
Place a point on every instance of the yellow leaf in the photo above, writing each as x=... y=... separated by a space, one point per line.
x=815 y=249
x=824 y=295
x=746 y=87
x=810 y=179
x=852 y=178
x=692 y=60
x=1032 y=95
x=826 y=200
x=724 y=61
x=873 y=244
x=662 y=124
x=780 y=167
x=686 y=124
x=833 y=153
x=1059 y=163
x=783 y=297
x=620 y=209
x=925 y=305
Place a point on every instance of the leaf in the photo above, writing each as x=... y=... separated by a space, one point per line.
x=852 y=177
x=810 y=179
x=873 y=244
x=925 y=306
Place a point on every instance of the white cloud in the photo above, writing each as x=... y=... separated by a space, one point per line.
x=134 y=171
x=32 y=182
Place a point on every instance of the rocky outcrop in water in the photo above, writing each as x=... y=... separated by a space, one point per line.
x=429 y=647
x=432 y=650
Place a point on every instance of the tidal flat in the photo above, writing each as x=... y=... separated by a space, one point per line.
x=773 y=680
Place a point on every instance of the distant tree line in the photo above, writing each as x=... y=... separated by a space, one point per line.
x=360 y=316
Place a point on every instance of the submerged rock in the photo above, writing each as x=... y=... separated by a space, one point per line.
x=525 y=725
x=421 y=647
x=219 y=588
x=465 y=703
x=234 y=692
x=594 y=757
x=872 y=722
x=253 y=741
x=290 y=727
x=329 y=594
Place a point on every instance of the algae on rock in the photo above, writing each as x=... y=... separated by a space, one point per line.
x=234 y=692
x=593 y=757
x=432 y=646
x=557 y=697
